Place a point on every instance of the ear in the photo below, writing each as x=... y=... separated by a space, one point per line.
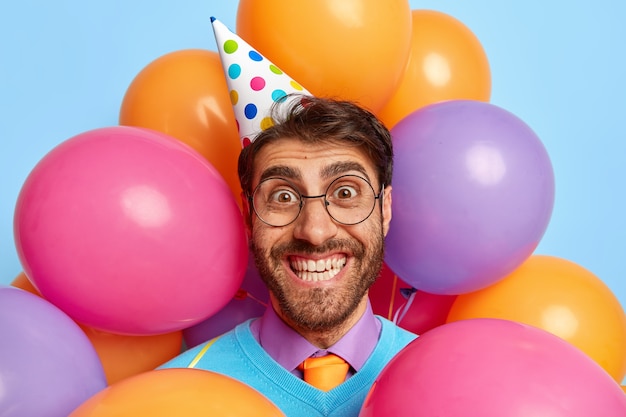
x=386 y=207
x=247 y=214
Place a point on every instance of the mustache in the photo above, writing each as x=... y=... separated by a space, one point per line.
x=302 y=247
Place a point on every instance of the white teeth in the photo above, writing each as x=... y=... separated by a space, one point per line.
x=317 y=276
x=320 y=270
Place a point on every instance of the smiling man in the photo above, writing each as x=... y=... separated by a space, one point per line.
x=317 y=188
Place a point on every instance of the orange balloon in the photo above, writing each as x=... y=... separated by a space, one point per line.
x=178 y=392
x=354 y=50
x=562 y=298
x=184 y=95
x=123 y=356
x=21 y=281
x=446 y=62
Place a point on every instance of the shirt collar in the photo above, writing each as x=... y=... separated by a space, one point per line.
x=289 y=348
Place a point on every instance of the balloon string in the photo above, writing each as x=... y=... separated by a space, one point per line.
x=404 y=308
x=242 y=294
x=264 y=304
x=393 y=297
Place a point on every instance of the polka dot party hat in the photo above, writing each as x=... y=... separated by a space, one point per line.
x=254 y=83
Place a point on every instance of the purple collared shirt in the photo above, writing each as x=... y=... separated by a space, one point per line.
x=289 y=348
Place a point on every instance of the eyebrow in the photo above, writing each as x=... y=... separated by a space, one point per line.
x=328 y=172
x=334 y=170
x=281 y=171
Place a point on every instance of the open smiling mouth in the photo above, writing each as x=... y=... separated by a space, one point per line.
x=317 y=270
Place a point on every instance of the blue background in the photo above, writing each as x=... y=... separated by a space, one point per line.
x=559 y=66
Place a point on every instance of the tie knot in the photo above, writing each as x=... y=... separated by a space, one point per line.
x=324 y=372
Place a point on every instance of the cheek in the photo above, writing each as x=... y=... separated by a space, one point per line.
x=370 y=234
x=258 y=237
x=264 y=237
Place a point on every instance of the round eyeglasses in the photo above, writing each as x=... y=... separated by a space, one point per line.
x=349 y=200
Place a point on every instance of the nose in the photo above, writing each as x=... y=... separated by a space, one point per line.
x=314 y=224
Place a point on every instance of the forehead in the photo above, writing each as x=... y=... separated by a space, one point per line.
x=302 y=161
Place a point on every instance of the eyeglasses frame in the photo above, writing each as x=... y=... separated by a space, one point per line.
x=302 y=197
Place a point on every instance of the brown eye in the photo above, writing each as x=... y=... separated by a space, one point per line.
x=284 y=197
x=345 y=192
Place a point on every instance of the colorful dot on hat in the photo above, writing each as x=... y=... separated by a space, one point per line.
x=230 y=46
x=245 y=141
x=257 y=83
x=295 y=85
x=250 y=111
x=266 y=123
x=234 y=71
x=278 y=95
x=275 y=69
x=255 y=56
x=234 y=97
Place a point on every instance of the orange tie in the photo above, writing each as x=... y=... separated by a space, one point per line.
x=324 y=372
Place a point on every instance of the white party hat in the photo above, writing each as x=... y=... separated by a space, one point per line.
x=254 y=83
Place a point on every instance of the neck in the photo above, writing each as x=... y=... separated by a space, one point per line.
x=325 y=338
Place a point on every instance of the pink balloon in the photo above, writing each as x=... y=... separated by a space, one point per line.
x=249 y=302
x=473 y=192
x=130 y=231
x=493 y=368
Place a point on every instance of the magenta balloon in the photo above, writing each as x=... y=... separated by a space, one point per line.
x=48 y=366
x=493 y=368
x=424 y=311
x=130 y=231
x=249 y=302
x=473 y=192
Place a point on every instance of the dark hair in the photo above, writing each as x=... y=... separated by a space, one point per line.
x=317 y=120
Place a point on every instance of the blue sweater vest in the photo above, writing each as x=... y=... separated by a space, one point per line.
x=237 y=354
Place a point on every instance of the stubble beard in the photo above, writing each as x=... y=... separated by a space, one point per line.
x=321 y=309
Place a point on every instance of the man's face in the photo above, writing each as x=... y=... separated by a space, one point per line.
x=346 y=259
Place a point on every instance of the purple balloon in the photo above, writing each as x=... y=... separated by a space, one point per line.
x=249 y=302
x=473 y=193
x=48 y=366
